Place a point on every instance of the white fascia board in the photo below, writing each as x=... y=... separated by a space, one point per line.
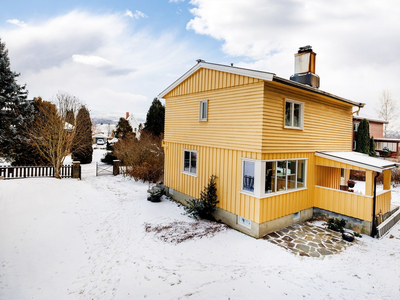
x=228 y=69
x=357 y=163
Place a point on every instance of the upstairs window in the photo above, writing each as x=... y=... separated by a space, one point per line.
x=294 y=112
x=190 y=162
x=203 y=110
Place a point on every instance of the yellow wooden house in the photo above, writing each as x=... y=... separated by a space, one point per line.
x=281 y=149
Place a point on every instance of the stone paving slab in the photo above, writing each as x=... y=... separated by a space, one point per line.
x=308 y=240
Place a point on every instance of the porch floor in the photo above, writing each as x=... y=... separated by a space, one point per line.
x=308 y=240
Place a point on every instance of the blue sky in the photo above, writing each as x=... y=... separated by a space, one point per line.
x=116 y=56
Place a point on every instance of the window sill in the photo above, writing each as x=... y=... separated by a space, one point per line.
x=190 y=174
x=292 y=127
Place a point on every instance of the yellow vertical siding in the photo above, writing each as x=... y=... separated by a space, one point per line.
x=328 y=177
x=226 y=165
x=387 y=178
x=321 y=114
x=383 y=200
x=208 y=80
x=349 y=204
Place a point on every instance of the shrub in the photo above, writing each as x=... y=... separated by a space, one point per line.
x=144 y=158
x=336 y=224
x=204 y=207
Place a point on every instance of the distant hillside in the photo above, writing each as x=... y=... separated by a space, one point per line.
x=105 y=120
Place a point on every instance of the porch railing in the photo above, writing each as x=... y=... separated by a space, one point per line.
x=385 y=226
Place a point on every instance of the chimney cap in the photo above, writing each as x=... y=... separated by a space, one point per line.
x=307 y=48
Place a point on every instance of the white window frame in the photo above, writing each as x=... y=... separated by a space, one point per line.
x=260 y=177
x=201 y=110
x=286 y=177
x=190 y=159
x=292 y=103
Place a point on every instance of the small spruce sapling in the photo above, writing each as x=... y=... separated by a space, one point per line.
x=204 y=207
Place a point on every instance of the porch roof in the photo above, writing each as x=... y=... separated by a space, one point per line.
x=359 y=160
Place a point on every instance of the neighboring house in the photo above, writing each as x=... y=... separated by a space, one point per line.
x=376 y=131
x=133 y=122
x=281 y=149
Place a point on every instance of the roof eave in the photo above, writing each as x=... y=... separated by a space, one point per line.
x=316 y=90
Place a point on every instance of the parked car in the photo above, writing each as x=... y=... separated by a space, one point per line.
x=100 y=142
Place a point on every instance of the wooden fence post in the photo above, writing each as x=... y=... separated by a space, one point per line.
x=116 y=167
x=75 y=169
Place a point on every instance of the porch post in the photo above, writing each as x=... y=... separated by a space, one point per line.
x=387 y=174
x=369 y=183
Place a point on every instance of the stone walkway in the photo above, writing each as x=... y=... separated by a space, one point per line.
x=308 y=240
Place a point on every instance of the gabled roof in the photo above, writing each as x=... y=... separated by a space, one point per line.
x=359 y=160
x=255 y=74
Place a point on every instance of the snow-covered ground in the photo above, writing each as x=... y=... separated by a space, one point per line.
x=71 y=239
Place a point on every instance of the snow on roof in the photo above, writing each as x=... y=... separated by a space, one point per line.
x=359 y=160
x=267 y=76
x=361 y=117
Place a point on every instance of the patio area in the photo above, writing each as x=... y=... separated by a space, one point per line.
x=309 y=240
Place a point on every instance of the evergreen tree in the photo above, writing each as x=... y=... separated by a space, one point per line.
x=204 y=207
x=25 y=153
x=15 y=109
x=155 y=118
x=123 y=128
x=372 y=147
x=81 y=149
x=363 y=140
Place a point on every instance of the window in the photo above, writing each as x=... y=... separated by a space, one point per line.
x=203 y=110
x=248 y=176
x=190 y=162
x=356 y=125
x=294 y=114
x=284 y=175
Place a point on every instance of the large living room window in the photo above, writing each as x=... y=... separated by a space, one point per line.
x=294 y=112
x=190 y=162
x=263 y=178
x=283 y=175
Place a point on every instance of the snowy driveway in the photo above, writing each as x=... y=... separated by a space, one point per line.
x=71 y=239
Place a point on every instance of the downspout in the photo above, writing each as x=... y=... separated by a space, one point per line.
x=373 y=231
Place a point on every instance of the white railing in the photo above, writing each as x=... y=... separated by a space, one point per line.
x=385 y=226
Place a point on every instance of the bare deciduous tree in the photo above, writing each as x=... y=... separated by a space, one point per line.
x=51 y=134
x=387 y=110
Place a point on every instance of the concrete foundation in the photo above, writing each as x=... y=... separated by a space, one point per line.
x=354 y=224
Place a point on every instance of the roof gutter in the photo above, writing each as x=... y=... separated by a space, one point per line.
x=373 y=231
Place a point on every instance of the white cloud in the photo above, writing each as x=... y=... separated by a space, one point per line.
x=16 y=22
x=176 y=1
x=128 y=13
x=110 y=64
x=356 y=45
x=92 y=60
x=138 y=14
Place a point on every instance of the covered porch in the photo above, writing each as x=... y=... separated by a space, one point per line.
x=334 y=193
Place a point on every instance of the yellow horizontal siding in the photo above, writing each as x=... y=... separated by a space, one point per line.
x=208 y=80
x=321 y=116
x=234 y=119
x=349 y=204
